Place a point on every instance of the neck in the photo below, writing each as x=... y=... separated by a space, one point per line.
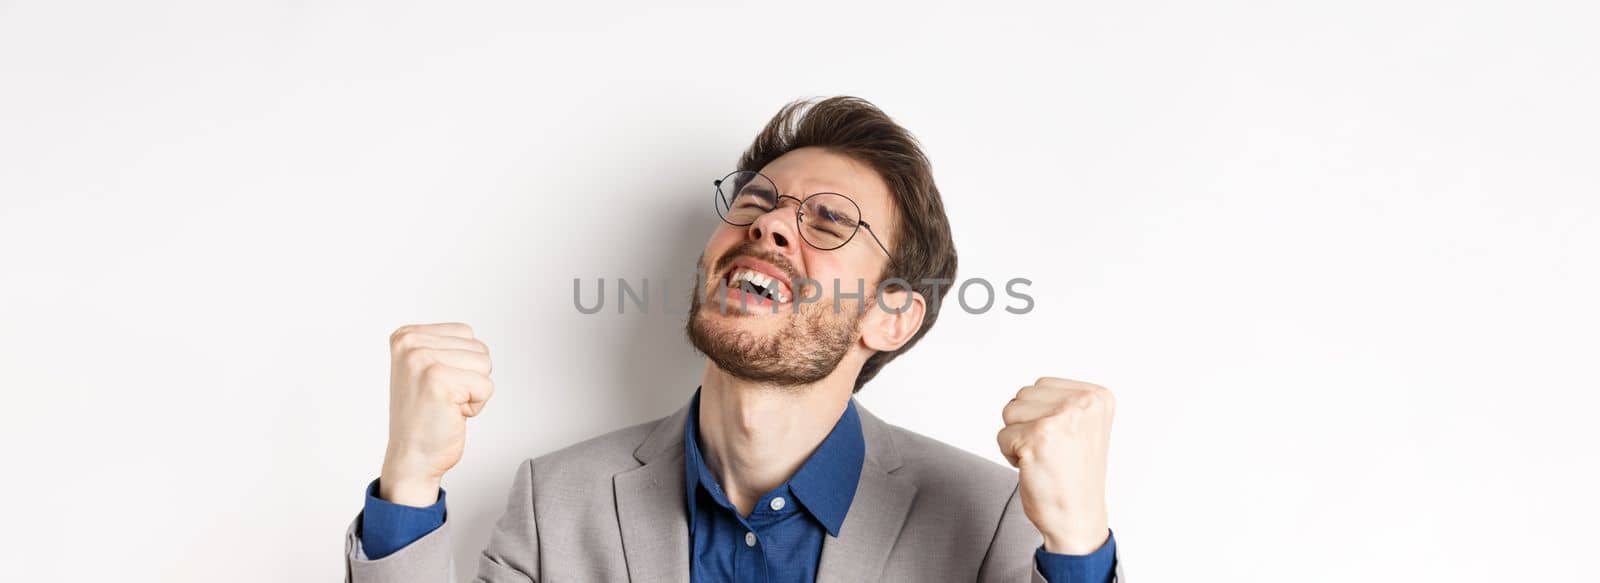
x=754 y=436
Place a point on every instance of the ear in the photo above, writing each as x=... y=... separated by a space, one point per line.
x=892 y=320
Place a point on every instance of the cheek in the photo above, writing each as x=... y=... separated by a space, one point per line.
x=857 y=278
x=828 y=270
x=722 y=239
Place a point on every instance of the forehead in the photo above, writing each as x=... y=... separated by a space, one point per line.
x=808 y=170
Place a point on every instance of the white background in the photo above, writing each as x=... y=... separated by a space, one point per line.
x=1337 y=259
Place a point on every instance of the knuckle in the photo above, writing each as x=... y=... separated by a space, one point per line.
x=432 y=375
x=1024 y=451
x=401 y=333
x=417 y=358
x=1049 y=426
x=1097 y=397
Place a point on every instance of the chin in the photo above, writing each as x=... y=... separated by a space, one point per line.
x=755 y=322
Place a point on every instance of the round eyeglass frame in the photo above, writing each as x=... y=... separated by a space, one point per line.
x=719 y=200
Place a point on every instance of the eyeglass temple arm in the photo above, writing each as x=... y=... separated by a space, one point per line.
x=876 y=239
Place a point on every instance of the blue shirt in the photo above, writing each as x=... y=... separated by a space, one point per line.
x=780 y=541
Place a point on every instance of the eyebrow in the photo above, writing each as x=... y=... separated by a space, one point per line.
x=758 y=189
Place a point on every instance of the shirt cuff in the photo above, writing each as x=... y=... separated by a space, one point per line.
x=386 y=527
x=1095 y=567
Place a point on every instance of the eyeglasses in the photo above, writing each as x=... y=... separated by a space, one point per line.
x=826 y=220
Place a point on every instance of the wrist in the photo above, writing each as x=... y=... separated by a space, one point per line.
x=1076 y=544
x=408 y=488
x=408 y=492
x=1079 y=537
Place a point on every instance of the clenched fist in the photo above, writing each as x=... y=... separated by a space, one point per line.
x=438 y=377
x=1056 y=434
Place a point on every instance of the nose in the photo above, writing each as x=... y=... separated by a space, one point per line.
x=778 y=228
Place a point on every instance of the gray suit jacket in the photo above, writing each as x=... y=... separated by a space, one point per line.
x=612 y=509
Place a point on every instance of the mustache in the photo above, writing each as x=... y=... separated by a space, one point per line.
x=753 y=250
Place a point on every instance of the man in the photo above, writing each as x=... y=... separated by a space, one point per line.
x=827 y=265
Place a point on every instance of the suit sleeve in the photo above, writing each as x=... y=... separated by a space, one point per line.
x=1094 y=567
x=385 y=527
x=511 y=557
x=1012 y=556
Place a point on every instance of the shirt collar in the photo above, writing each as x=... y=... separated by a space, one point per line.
x=825 y=484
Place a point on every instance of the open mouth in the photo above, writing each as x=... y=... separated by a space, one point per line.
x=745 y=277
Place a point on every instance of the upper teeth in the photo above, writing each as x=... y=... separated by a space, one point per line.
x=769 y=283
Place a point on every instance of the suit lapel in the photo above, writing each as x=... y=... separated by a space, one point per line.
x=650 y=507
x=876 y=514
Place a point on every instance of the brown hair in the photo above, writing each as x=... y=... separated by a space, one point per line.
x=854 y=127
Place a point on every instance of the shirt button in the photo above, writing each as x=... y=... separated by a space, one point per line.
x=777 y=503
x=749 y=539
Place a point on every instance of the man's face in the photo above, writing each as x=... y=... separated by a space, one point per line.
x=804 y=339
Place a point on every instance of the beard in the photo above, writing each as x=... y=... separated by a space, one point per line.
x=805 y=349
